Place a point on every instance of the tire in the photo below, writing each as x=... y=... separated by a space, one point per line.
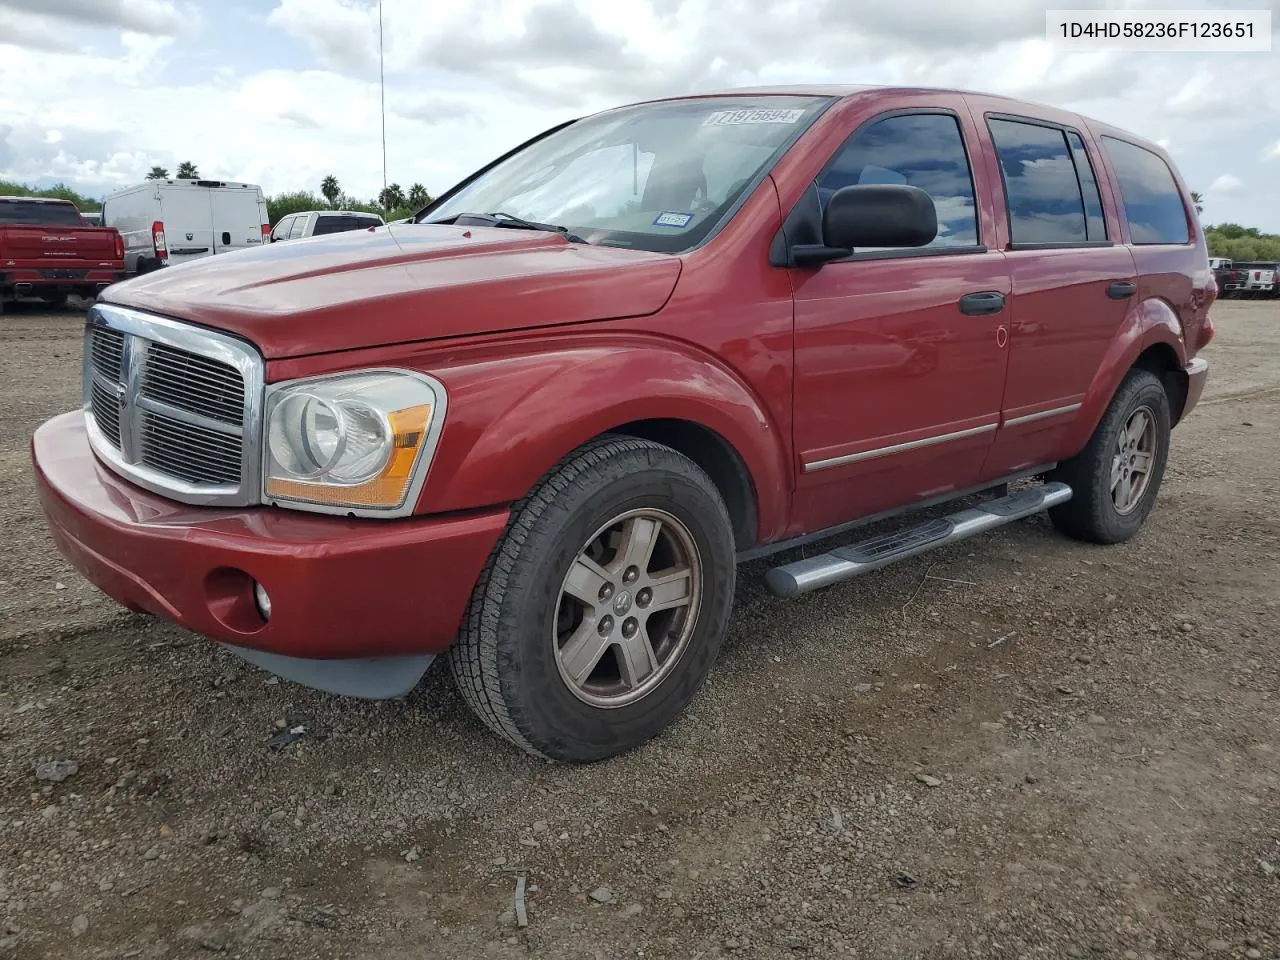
x=514 y=659
x=1102 y=509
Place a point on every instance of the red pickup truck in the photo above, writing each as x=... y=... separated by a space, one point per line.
x=538 y=428
x=47 y=250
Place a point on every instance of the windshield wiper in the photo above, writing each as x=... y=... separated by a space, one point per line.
x=501 y=219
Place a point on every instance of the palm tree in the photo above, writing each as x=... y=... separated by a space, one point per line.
x=331 y=190
x=1198 y=200
x=187 y=171
x=158 y=173
x=391 y=197
x=418 y=196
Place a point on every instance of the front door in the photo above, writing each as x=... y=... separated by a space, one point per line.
x=899 y=354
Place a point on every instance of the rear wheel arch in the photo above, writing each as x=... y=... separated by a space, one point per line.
x=1162 y=360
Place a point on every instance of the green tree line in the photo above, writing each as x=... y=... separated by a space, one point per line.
x=393 y=203
x=1241 y=243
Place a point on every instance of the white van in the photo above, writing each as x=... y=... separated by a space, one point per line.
x=166 y=222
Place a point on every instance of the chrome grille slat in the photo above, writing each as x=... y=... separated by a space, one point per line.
x=176 y=408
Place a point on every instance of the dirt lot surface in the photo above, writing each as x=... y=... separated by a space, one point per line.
x=1020 y=746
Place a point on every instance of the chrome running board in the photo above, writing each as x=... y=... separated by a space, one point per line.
x=843 y=563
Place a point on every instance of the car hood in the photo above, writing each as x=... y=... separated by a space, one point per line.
x=403 y=283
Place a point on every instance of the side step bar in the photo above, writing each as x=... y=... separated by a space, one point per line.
x=842 y=563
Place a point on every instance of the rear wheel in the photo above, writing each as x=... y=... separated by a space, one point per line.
x=1116 y=477
x=604 y=605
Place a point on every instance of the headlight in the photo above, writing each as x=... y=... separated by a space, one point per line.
x=354 y=443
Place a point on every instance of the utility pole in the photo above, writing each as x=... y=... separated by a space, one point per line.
x=382 y=83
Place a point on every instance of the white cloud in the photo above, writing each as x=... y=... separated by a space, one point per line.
x=1226 y=185
x=143 y=16
x=282 y=92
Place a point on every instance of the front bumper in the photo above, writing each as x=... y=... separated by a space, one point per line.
x=340 y=589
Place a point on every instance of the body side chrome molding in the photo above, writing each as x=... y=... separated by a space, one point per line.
x=1043 y=415
x=897 y=448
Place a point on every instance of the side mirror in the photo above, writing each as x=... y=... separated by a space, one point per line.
x=872 y=215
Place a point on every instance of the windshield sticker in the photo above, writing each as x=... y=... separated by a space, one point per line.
x=724 y=118
x=672 y=218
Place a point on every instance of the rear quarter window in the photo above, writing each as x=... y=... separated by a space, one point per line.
x=1042 y=190
x=1152 y=202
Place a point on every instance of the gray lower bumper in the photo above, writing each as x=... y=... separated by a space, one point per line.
x=371 y=678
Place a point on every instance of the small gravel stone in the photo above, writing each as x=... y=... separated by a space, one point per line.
x=862 y=688
x=55 y=771
x=271 y=893
x=80 y=925
x=602 y=895
x=152 y=854
x=928 y=781
x=1267 y=867
x=634 y=910
x=1217 y=946
x=1253 y=953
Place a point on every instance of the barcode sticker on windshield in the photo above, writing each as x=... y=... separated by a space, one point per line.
x=724 y=118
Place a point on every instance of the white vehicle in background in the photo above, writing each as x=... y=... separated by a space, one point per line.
x=1259 y=278
x=167 y=222
x=313 y=223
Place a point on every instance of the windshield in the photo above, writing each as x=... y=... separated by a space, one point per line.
x=657 y=176
x=36 y=213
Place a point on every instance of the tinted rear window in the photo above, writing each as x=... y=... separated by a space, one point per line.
x=1041 y=189
x=1152 y=202
x=34 y=213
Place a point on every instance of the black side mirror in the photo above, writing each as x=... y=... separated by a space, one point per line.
x=872 y=215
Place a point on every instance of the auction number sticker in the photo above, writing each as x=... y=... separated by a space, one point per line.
x=1173 y=31
x=725 y=118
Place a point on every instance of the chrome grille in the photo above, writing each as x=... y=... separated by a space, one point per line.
x=173 y=407
x=193 y=383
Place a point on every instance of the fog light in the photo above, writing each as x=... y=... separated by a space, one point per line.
x=263 y=600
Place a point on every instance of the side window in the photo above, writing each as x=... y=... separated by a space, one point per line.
x=281 y=232
x=299 y=227
x=1040 y=185
x=328 y=223
x=1152 y=202
x=924 y=150
x=1095 y=222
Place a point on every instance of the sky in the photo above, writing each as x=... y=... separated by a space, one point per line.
x=283 y=92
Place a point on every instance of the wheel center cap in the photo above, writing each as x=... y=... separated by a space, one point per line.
x=622 y=602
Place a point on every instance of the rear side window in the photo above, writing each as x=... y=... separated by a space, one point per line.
x=1041 y=189
x=1095 y=222
x=1152 y=201
x=32 y=213
x=924 y=150
x=341 y=223
x=299 y=227
x=364 y=223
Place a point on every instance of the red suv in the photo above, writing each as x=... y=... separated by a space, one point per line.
x=538 y=428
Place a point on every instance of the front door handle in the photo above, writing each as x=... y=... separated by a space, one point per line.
x=1122 y=289
x=981 y=304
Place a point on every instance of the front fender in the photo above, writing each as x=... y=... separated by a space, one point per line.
x=1149 y=323
x=513 y=417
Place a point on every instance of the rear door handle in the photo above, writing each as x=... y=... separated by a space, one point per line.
x=1122 y=289
x=981 y=304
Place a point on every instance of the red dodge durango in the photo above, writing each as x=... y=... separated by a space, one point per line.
x=538 y=427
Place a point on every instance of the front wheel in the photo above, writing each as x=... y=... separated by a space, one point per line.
x=1116 y=476
x=602 y=609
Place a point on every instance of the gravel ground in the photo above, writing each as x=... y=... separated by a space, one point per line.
x=1020 y=746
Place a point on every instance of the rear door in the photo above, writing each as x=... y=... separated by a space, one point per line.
x=236 y=216
x=1073 y=283
x=188 y=224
